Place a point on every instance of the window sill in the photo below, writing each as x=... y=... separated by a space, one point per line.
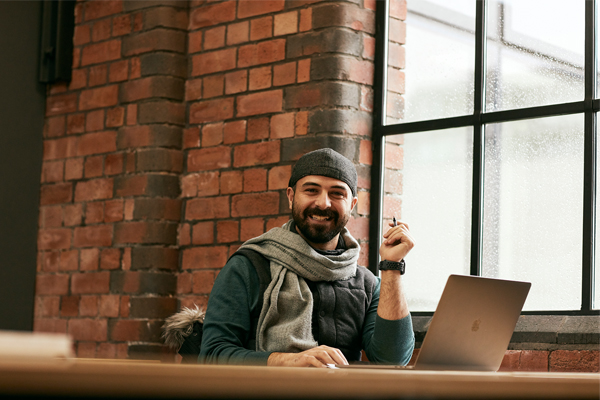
x=541 y=332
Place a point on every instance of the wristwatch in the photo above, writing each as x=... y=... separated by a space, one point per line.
x=386 y=265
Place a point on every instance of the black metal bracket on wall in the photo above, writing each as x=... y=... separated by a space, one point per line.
x=377 y=168
x=56 y=44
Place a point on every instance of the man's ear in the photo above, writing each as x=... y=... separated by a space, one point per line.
x=354 y=201
x=290 y=196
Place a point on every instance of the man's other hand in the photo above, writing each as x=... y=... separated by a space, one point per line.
x=397 y=243
x=315 y=357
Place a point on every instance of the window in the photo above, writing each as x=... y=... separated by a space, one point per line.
x=487 y=146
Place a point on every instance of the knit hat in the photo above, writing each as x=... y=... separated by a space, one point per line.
x=325 y=162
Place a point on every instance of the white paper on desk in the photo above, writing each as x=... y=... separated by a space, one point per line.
x=35 y=345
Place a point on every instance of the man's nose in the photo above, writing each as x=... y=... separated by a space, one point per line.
x=323 y=201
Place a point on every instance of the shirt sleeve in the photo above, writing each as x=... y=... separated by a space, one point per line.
x=387 y=341
x=228 y=321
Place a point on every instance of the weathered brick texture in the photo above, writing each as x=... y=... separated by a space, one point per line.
x=110 y=186
x=554 y=361
x=394 y=152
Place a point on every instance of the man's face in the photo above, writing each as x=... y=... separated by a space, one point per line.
x=321 y=207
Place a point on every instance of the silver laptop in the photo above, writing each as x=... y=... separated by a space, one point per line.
x=472 y=325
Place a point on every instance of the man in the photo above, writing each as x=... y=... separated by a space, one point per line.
x=318 y=306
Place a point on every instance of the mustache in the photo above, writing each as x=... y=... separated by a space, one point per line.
x=329 y=213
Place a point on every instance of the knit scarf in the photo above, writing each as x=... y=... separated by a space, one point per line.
x=285 y=321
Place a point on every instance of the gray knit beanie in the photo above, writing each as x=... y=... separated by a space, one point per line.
x=325 y=162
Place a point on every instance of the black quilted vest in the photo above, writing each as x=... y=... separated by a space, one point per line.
x=339 y=307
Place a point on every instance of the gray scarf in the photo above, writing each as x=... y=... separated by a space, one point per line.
x=285 y=320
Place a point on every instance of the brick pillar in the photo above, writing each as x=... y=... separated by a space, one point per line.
x=394 y=150
x=152 y=140
x=269 y=81
x=110 y=192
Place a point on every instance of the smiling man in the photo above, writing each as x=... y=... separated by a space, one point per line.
x=295 y=295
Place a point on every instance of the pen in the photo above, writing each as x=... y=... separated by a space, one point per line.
x=394 y=222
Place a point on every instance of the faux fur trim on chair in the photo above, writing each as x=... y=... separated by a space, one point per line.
x=179 y=326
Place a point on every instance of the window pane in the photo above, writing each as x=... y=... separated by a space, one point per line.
x=533 y=207
x=427 y=184
x=440 y=53
x=535 y=53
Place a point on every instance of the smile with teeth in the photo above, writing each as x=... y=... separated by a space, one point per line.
x=320 y=217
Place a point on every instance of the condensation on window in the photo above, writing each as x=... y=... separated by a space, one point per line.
x=435 y=78
x=533 y=207
x=428 y=184
x=535 y=53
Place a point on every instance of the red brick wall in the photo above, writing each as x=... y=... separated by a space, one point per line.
x=173 y=144
x=110 y=205
x=551 y=360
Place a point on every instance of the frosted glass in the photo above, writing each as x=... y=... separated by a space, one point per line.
x=431 y=191
x=439 y=68
x=533 y=203
x=535 y=53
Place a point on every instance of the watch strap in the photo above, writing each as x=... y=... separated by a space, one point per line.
x=386 y=265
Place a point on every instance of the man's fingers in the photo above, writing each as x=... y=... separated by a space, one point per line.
x=312 y=361
x=399 y=223
x=402 y=239
x=401 y=227
x=397 y=236
x=315 y=357
x=338 y=356
x=329 y=355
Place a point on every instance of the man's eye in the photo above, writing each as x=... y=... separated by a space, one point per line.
x=338 y=194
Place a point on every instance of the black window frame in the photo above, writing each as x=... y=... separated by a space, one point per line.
x=589 y=107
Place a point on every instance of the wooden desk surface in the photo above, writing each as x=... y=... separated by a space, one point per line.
x=154 y=380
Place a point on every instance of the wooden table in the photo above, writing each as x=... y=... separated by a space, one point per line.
x=93 y=378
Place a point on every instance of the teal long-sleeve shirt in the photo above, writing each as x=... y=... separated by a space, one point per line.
x=233 y=304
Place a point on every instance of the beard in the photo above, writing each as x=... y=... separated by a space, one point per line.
x=316 y=233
